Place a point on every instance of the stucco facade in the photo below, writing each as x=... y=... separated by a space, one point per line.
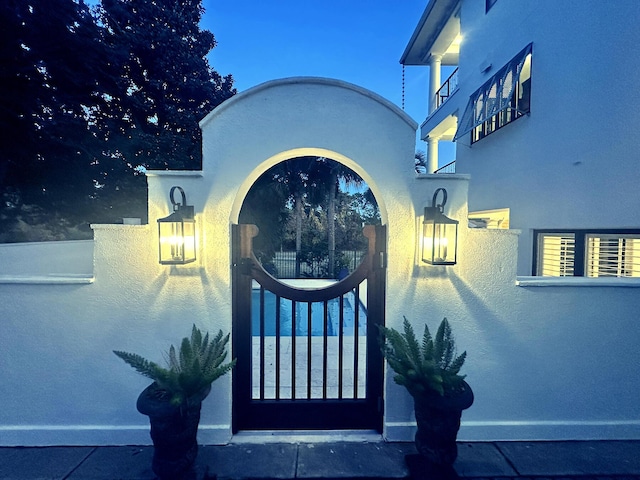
x=553 y=362
x=570 y=163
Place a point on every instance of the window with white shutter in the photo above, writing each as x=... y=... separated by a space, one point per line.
x=613 y=256
x=587 y=253
x=557 y=254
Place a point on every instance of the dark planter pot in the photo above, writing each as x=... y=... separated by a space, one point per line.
x=173 y=431
x=438 y=419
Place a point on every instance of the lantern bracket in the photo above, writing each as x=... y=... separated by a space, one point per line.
x=439 y=206
x=187 y=211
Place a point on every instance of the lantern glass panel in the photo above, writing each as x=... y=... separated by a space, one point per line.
x=177 y=242
x=439 y=243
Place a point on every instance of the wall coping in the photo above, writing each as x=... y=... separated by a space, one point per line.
x=522 y=281
x=496 y=231
x=52 y=279
x=174 y=173
x=443 y=176
x=330 y=82
x=48 y=242
x=116 y=226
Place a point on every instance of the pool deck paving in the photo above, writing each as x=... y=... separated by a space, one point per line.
x=543 y=460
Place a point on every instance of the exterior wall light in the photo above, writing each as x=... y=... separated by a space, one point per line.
x=439 y=234
x=177 y=233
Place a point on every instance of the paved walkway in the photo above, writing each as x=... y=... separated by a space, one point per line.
x=593 y=460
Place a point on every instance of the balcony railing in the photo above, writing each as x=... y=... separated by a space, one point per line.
x=448 y=168
x=448 y=87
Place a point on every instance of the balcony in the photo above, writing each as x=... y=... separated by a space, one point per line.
x=447 y=89
x=448 y=168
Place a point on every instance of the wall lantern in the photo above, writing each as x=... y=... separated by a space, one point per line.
x=177 y=233
x=439 y=234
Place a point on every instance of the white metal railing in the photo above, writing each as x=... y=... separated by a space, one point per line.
x=446 y=90
x=448 y=168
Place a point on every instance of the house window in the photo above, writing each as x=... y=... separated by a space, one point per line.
x=588 y=253
x=488 y=4
x=556 y=254
x=502 y=99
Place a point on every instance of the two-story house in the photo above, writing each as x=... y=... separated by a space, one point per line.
x=544 y=107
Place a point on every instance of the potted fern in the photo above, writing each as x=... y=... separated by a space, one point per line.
x=173 y=401
x=430 y=372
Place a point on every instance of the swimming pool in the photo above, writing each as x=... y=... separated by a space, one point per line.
x=317 y=316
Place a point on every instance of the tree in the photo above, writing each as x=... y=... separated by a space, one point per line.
x=86 y=100
x=354 y=210
x=265 y=207
x=420 y=162
x=47 y=93
x=328 y=175
x=165 y=83
x=296 y=208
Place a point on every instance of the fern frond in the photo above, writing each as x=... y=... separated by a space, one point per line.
x=439 y=344
x=427 y=342
x=412 y=343
x=196 y=338
x=186 y=354
x=427 y=367
x=140 y=364
x=191 y=369
x=173 y=359
x=456 y=365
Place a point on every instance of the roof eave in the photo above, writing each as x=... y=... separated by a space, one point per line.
x=431 y=23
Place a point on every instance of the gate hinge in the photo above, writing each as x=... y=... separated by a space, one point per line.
x=382 y=260
x=244 y=266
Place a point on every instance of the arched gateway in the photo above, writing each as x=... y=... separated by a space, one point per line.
x=286 y=377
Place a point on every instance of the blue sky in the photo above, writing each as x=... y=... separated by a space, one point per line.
x=351 y=40
x=356 y=41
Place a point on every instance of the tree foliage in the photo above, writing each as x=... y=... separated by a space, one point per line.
x=165 y=83
x=88 y=96
x=291 y=204
x=47 y=90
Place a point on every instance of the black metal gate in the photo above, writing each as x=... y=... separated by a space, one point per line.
x=307 y=358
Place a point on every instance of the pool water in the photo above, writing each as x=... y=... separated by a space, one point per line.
x=317 y=316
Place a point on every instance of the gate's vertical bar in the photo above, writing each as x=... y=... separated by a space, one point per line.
x=325 y=348
x=340 y=347
x=376 y=302
x=309 y=327
x=261 y=342
x=293 y=349
x=356 y=339
x=277 y=347
x=241 y=238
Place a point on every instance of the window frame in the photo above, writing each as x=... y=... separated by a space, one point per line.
x=497 y=102
x=580 y=246
x=506 y=116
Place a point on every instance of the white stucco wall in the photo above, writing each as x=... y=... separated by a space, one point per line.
x=554 y=362
x=572 y=163
x=46 y=258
